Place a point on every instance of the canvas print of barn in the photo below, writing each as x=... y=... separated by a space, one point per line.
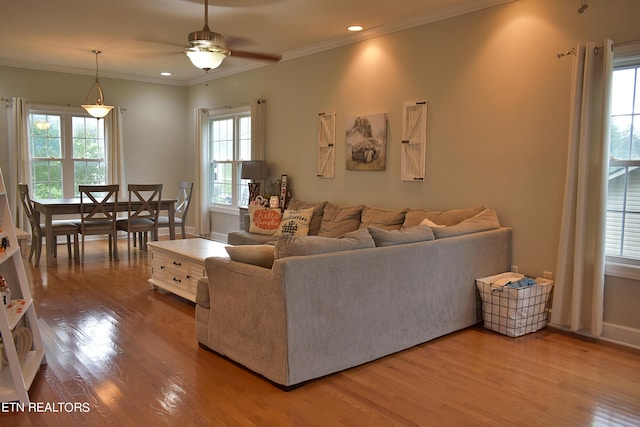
x=366 y=143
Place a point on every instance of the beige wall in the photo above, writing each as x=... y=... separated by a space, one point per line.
x=498 y=108
x=154 y=123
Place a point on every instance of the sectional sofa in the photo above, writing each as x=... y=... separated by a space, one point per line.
x=310 y=305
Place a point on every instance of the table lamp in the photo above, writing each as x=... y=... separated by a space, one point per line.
x=254 y=170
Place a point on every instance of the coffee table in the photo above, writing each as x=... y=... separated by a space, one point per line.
x=177 y=265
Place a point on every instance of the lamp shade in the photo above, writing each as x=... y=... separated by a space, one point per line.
x=254 y=169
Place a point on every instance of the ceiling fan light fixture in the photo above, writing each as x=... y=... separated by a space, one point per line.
x=99 y=109
x=206 y=57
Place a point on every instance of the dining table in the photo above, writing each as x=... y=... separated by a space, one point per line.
x=48 y=208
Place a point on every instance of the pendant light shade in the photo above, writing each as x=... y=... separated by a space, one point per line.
x=97 y=110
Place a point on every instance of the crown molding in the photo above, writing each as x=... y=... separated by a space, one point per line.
x=405 y=24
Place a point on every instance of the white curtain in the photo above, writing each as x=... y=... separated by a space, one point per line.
x=258 y=127
x=19 y=170
x=578 y=295
x=19 y=165
x=115 y=148
x=203 y=225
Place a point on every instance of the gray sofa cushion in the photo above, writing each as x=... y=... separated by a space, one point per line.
x=316 y=219
x=337 y=220
x=383 y=237
x=289 y=245
x=382 y=218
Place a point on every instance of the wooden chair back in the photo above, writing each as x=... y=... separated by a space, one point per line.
x=98 y=207
x=147 y=197
x=183 y=200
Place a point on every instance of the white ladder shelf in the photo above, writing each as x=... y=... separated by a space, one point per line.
x=18 y=371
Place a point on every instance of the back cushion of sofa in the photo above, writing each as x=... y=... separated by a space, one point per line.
x=337 y=220
x=382 y=218
x=289 y=245
x=483 y=221
x=414 y=217
x=381 y=237
x=316 y=219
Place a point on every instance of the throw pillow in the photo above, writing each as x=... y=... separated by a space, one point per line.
x=485 y=220
x=382 y=218
x=263 y=220
x=295 y=222
x=260 y=255
x=337 y=221
x=430 y=223
x=288 y=245
x=383 y=237
x=316 y=219
x=449 y=217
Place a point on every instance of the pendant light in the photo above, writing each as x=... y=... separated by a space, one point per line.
x=97 y=110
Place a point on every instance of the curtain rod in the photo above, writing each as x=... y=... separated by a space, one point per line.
x=574 y=51
x=9 y=103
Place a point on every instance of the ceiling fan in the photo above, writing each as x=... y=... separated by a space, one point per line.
x=207 y=49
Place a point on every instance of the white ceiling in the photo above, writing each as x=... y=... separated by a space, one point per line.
x=142 y=38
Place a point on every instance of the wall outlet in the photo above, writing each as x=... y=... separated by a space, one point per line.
x=514 y=268
x=547 y=275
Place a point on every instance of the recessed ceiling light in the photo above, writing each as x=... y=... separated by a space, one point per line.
x=165 y=73
x=355 y=28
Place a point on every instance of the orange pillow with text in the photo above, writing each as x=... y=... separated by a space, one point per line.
x=263 y=220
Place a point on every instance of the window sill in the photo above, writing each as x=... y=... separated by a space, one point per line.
x=227 y=210
x=625 y=271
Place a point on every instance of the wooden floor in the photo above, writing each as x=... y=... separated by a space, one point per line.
x=125 y=355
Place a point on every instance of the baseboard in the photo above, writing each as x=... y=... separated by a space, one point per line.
x=622 y=335
x=218 y=237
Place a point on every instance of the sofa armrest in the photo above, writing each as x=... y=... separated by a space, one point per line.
x=202 y=293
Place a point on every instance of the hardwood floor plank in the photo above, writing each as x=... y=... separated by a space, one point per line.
x=129 y=354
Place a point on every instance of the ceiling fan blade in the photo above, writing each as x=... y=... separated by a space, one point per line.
x=255 y=55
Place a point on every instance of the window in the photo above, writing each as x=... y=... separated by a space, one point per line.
x=66 y=149
x=229 y=144
x=623 y=202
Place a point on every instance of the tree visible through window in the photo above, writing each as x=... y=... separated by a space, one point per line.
x=623 y=203
x=65 y=150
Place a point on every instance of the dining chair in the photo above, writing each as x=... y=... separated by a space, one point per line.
x=59 y=228
x=99 y=209
x=181 y=207
x=143 y=212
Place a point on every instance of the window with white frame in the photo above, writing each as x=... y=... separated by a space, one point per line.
x=229 y=143
x=66 y=149
x=623 y=199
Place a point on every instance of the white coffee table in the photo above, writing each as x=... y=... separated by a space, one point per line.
x=177 y=265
